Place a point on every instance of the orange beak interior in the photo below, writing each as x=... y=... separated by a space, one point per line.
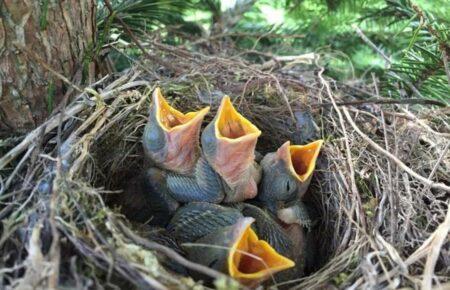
x=251 y=259
x=170 y=118
x=232 y=125
x=303 y=158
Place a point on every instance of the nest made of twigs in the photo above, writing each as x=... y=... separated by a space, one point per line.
x=379 y=187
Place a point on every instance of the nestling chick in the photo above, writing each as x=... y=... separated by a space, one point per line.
x=286 y=177
x=227 y=171
x=226 y=242
x=228 y=144
x=171 y=138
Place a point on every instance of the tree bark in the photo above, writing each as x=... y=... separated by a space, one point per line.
x=62 y=34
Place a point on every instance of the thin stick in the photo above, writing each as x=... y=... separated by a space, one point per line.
x=53 y=122
x=388 y=61
x=353 y=187
x=17 y=169
x=171 y=254
x=393 y=219
x=372 y=45
x=438 y=162
x=433 y=255
x=384 y=101
x=246 y=34
x=394 y=159
x=446 y=67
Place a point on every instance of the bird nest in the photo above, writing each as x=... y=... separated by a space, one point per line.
x=379 y=188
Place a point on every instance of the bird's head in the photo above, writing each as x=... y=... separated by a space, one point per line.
x=287 y=172
x=171 y=138
x=237 y=251
x=251 y=260
x=228 y=143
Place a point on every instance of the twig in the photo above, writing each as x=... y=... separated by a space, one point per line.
x=446 y=67
x=394 y=159
x=424 y=125
x=353 y=187
x=128 y=273
x=16 y=170
x=393 y=222
x=392 y=73
x=372 y=45
x=440 y=236
x=438 y=162
x=170 y=254
x=285 y=97
x=384 y=101
x=246 y=34
x=53 y=122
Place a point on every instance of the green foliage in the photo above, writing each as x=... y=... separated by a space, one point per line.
x=420 y=63
x=414 y=39
x=142 y=15
x=43 y=17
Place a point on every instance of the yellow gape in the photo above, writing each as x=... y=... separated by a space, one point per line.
x=170 y=118
x=232 y=125
x=303 y=159
x=251 y=260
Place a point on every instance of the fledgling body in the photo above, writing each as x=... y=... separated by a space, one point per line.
x=225 y=239
x=286 y=177
x=287 y=174
x=171 y=144
x=223 y=171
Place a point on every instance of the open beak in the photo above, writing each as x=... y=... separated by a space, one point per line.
x=229 y=145
x=172 y=137
x=251 y=260
x=301 y=161
x=236 y=250
x=231 y=126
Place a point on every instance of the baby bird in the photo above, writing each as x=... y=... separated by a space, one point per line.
x=171 y=143
x=228 y=144
x=286 y=177
x=171 y=138
x=225 y=171
x=223 y=239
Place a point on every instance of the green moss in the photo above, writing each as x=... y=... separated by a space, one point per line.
x=224 y=283
x=340 y=279
x=51 y=90
x=43 y=17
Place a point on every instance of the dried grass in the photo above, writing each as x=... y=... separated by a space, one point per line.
x=381 y=187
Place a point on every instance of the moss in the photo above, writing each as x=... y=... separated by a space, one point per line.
x=43 y=17
x=226 y=284
x=51 y=90
x=340 y=278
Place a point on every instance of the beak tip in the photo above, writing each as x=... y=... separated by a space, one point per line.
x=226 y=98
x=205 y=110
x=277 y=262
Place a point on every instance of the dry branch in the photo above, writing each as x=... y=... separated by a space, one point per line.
x=393 y=158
